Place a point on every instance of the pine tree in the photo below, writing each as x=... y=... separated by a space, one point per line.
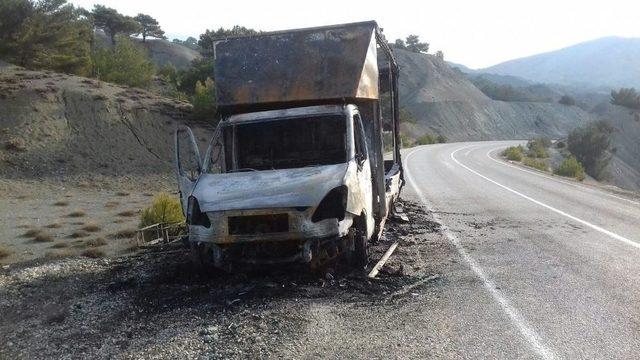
x=149 y=27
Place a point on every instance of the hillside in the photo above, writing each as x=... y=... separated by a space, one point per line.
x=445 y=102
x=160 y=51
x=609 y=62
x=56 y=125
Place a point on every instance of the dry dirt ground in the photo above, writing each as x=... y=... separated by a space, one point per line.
x=46 y=219
x=155 y=305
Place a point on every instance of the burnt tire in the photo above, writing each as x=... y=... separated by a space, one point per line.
x=360 y=255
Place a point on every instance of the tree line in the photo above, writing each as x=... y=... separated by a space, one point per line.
x=56 y=35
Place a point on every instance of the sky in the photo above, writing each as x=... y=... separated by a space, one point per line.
x=473 y=33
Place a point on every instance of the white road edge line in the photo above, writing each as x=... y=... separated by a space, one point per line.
x=558 y=211
x=595 y=191
x=520 y=323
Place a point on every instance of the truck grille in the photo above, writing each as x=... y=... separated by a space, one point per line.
x=258 y=224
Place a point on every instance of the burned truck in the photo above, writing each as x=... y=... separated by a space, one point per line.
x=304 y=165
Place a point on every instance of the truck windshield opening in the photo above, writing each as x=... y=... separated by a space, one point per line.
x=291 y=143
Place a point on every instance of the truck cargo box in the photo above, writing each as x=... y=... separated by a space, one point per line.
x=306 y=66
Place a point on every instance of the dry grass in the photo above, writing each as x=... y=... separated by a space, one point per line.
x=128 y=213
x=118 y=221
x=91 y=227
x=42 y=237
x=16 y=145
x=31 y=232
x=52 y=255
x=93 y=253
x=76 y=214
x=122 y=193
x=79 y=234
x=111 y=204
x=61 y=203
x=97 y=242
x=124 y=233
x=5 y=252
x=60 y=245
x=55 y=225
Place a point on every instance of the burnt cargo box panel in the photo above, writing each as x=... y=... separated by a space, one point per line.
x=300 y=66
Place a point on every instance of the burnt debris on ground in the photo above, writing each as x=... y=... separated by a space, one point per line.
x=156 y=302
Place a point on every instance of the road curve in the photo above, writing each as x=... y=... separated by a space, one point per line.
x=554 y=264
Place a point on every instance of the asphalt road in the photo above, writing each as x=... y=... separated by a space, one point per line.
x=545 y=267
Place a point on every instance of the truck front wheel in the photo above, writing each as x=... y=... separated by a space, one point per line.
x=360 y=256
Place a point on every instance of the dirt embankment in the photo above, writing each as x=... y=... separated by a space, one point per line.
x=56 y=125
x=445 y=102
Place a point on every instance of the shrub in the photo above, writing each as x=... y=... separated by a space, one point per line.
x=570 y=167
x=560 y=144
x=567 y=100
x=204 y=104
x=627 y=97
x=536 y=164
x=16 y=145
x=514 y=153
x=538 y=148
x=589 y=145
x=43 y=237
x=125 y=63
x=124 y=234
x=127 y=213
x=93 y=253
x=442 y=139
x=76 y=214
x=91 y=227
x=426 y=139
x=97 y=242
x=165 y=208
x=5 y=252
x=405 y=141
x=79 y=234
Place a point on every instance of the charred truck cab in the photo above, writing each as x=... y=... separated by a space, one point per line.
x=296 y=169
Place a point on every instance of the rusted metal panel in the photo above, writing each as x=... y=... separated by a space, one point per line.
x=308 y=65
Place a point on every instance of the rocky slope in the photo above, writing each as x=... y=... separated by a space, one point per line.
x=445 y=102
x=56 y=124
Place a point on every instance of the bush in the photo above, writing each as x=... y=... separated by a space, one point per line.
x=570 y=167
x=405 y=141
x=627 y=97
x=538 y=148
x=589 y=145
x=514 y=153
x=125 y=63
x=204 y=103
x=441 y=139
x=536 y=164
x=426 y=139
x=567 y=100
x=165 y=208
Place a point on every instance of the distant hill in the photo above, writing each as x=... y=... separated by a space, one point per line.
x=461 y=67
x=608 y=62
x=445 y=102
